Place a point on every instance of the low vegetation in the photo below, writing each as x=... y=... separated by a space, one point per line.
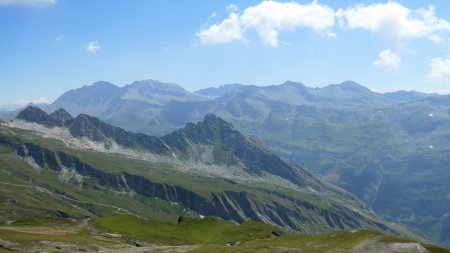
x=125 y=233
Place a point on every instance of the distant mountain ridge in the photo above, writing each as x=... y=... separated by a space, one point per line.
x=407 y=96
x=149 y=106
x=101 y=96
x=219 y=91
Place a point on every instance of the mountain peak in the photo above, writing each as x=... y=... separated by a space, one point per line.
x=150 y=83
x=351 y=85
x=61 y=114
x=37 y=115
x=94 y=99
x=102 y=84
x=212 y=120
x=31 y=110
x=347 y=87
x=292 y=84
x=86 y=126
x=219 y=91
x=99 y=88
x=156 y=92
x=210 y=130
x=223 y=137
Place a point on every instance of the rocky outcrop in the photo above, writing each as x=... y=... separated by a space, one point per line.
x=36 y=115
x=96 y=130
x=56 y=161
x=62 y=115
x=217 y=132
x=82 y=127
x=212 y=131
x=282 y=210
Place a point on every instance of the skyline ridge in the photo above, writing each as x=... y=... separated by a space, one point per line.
x=20 y=103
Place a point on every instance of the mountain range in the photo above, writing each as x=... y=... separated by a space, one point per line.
x=154 y=107
x=89 y=167
x=390 y=150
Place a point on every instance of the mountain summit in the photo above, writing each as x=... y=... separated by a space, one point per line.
x=156 y=92
x=36 y=115
x=221 y=135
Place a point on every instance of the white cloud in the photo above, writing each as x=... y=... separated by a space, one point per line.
x=268 y=19
x=24 y=101
x=389 y=59
x=92 y=47
x=27 y=3
x=439 y=70
x=228 y=30
x=393 y=21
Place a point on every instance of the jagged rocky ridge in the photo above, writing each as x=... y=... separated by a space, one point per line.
x=341 y=211
x=36 y=115
x=212 y=131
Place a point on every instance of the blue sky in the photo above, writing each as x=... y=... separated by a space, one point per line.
x=50 y=46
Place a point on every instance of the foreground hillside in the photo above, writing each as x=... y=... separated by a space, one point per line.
x=126 y=233
x=82 y=167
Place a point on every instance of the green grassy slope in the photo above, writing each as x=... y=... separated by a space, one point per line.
x=88 y=198
x=26 y=193
x=126 y=233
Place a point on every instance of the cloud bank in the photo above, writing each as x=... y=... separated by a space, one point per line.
x=24 y=101
x=391 y=21
x=268 y=19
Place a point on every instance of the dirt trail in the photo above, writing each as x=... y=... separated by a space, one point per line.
x=119 y=210
x=156 y=249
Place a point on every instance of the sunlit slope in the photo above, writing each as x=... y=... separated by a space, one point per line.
x=126 y=233
x=80 y=182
